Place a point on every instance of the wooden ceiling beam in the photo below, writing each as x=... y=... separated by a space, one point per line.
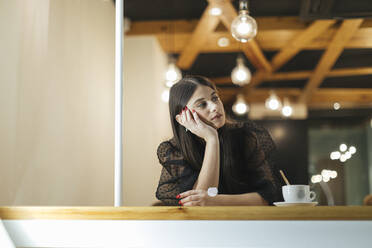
x=255 y=55
x=206 y=25
x=278 y=39
x=274 y=34
x=291 y=23
x=289 y=51
x=268 y=40
x=341 y=72
x=297 y=75
x=350 y=72
x=343 y=96
x=297 y=44
x=330 y=56
x=162 y=27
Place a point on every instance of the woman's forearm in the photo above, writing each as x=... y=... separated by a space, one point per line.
x=210 y=171
x=248 y=199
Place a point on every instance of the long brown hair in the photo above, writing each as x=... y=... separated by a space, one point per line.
x=191 y=146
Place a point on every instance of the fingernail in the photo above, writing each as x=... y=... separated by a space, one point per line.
x=180 y=203
x=186 y=108
x=178 y=196
x=193 y=111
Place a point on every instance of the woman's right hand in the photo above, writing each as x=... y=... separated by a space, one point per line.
x=194 y=124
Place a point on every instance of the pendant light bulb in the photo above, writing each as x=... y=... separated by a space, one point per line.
x=173 y=74
x=287 y=109
x=240 y=107
x=240 y=75
x=243 y=27
x=273 y=102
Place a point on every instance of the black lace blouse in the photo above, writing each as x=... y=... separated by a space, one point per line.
x=253 y=166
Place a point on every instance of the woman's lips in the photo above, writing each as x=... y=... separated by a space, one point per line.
x=216 y=117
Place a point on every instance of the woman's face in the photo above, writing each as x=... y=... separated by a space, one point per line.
x=208 y=105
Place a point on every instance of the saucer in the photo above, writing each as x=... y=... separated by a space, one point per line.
x=292 y=204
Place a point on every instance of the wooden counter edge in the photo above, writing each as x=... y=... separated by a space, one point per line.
x=188 y=213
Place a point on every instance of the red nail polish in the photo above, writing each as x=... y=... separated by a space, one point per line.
x=193 y=111
x=178 y=196
x=180 y=203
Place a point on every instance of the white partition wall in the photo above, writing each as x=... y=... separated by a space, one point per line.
x=190 y=234
x=57 y=105
x=146 y=118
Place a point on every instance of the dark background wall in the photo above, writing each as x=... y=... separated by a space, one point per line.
x=291 y=139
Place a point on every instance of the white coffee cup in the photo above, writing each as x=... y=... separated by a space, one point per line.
x=298 y=193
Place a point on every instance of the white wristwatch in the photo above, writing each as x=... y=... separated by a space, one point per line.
x=212 y=191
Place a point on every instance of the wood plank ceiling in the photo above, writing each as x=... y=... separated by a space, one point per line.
x=280 y=40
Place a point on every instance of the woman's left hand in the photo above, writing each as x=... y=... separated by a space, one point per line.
x=195 y=197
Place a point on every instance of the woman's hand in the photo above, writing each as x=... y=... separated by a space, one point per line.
x=194 y=124
x=195 y=197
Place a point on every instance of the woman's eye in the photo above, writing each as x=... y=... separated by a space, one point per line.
x=202 y=105
x=215 y=98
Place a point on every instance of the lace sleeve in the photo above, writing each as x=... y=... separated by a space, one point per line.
x=176 y=175
x=266 y=182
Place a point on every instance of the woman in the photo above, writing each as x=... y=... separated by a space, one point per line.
x=207 y=151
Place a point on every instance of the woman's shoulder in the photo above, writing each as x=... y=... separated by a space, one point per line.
x=249 y=128
x=168 y=150
x=245 y=126
x=239 y=130
x=168 y=144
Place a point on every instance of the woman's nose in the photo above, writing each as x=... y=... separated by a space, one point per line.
x=213 y=107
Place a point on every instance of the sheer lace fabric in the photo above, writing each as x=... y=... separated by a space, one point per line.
x=178 y=176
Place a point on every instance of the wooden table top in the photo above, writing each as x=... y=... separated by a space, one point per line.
x=188 y=213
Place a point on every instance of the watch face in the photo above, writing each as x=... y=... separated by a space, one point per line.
x=212 y=191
